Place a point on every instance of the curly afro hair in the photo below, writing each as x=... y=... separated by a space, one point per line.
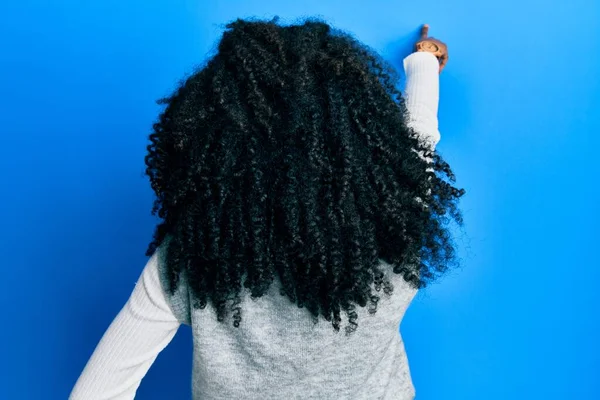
x=288 y=156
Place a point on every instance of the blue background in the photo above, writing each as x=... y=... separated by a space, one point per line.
x=519 y=116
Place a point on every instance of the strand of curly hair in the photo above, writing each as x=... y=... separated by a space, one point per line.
x=288 y=156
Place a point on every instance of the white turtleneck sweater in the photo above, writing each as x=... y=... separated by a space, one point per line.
x=277 y=353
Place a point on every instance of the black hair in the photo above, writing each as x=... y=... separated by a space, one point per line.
x=288 y=156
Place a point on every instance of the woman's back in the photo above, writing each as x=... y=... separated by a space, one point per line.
x=302 y=205
x=281 y=354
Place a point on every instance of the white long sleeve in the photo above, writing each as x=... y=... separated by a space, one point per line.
x=422 y=95
x=141 y=330
x=146 y=324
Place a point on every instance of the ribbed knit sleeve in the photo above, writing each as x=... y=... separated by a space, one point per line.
x=422 y=95
x=141 y=330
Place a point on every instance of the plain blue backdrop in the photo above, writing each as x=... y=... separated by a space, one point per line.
x=519 y=117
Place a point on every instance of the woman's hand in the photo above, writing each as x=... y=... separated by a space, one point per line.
x=434 y=46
